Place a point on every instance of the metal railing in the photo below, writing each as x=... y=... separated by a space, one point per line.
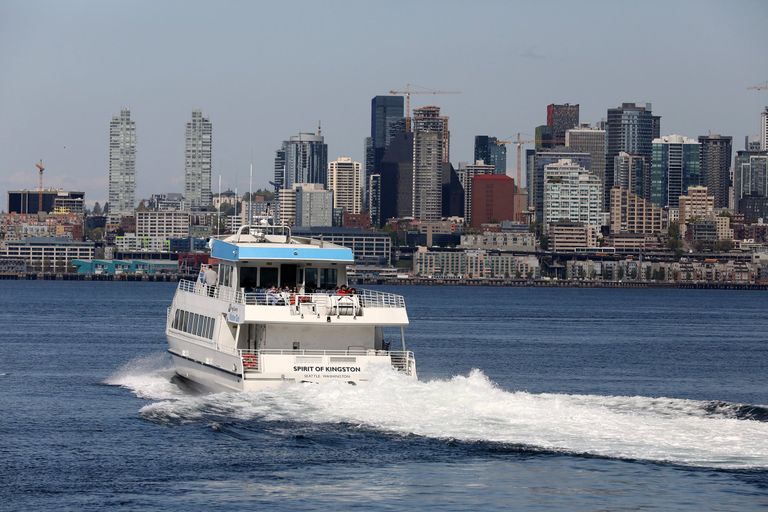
x=402 y=360
x=363 y=297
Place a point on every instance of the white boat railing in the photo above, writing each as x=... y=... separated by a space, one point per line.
x=401 y=360
x=362 y=298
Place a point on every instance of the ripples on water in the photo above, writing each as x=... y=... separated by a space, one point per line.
x=547 y=419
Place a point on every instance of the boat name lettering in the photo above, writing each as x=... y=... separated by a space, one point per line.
x=350 y=369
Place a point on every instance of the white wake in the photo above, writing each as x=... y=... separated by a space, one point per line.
x=471 y=408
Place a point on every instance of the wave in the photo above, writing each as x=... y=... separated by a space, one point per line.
x=473 y=409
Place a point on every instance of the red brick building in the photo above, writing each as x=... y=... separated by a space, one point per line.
x=493 y=199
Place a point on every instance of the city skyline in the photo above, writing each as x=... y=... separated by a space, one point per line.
x=61 y=87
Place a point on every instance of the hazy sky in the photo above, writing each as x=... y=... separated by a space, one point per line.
x=264 y=71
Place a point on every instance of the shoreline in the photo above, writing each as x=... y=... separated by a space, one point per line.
x=509 y=283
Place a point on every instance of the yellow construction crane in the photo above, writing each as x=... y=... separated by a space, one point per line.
x=518 y=142
x=40 y=168
x=759 y=87
x=416 y=89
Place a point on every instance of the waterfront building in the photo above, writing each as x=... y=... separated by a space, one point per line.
x=125 y=267
x=632 y=172
x=571 y=237
x=122 y=166
x=675 y=166
x=633 y=214
x=492 y=152
x=314 y=205
x=493 y=199
x=630 y=128
x=197 y=160
x=539 y=161
x=474 y=263
x=130 y=242
x=716 y=166
x=696 y=204
x=164 y=224
x=561 y=118
x=47 y=254
x=345 y=181
x=572 y=193
x=466 y=174
x=584 y=139
x=500 y=241
x=54 y=201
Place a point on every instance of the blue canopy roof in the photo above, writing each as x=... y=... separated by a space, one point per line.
x=275 y=252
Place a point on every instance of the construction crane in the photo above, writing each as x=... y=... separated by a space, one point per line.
x=40 y=168
x=518 y=142
x=409 y=89
x=759 y=87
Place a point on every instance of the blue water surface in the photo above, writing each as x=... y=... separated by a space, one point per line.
x=71 y=441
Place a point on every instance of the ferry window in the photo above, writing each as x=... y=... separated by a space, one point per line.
x=328 y=278
x=310 y=278
x=210 y=328
x=182 y=321
x=249 y=277
x=176 y=318
x=268 y=277
x=225 y=275
x=195 y=324
x=188 y=326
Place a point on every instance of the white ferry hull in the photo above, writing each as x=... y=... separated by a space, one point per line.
x=216 y=371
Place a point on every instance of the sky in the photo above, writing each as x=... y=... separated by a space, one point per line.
x=263 y=71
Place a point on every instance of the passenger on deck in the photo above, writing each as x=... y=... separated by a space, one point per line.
x=343 y=290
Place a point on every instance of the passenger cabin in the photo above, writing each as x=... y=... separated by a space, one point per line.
x=264 y=267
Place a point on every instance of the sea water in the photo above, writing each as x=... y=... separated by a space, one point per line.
x=558 y=399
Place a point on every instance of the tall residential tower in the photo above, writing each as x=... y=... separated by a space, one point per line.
x=122 y=166
x=197 y=161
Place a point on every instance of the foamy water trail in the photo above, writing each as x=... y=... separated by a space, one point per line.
x=471 y=408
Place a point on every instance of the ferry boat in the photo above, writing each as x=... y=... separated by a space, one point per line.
x=276 y=308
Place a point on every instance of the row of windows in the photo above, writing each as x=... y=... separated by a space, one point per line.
x=192 y=323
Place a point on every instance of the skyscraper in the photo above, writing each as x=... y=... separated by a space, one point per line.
x=585 y=139
x=750 y=176
x=427 y=175
x=491 y=152
x=306 y=159
x=279 y=180
x=430 y=149
x=428 y=119
x=561 y=118
x=466 y=173
x=540 y=160
x=715 y=166
x=386 y=111
x=632 y=173
x=396 y=197
x=122 y=166
x=345 y=181
x=197 y=160
x=629 y=128
x=675 y=166
x=764 y=129
x=572 y=193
